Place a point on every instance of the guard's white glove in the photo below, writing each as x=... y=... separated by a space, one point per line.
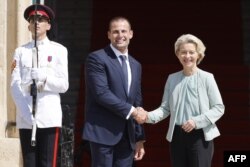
x=38 y=74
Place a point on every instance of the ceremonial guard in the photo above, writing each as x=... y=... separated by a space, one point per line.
x=39 y=75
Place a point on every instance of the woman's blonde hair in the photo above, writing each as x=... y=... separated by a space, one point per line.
x=189 y=38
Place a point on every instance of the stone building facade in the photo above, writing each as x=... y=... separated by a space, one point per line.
x=13 y=32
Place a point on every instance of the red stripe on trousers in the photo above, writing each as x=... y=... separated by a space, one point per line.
x=55 y=147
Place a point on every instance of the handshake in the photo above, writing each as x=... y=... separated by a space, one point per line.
x=140 y=115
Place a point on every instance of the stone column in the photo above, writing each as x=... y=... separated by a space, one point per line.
x=13 y=32
x=3 y=68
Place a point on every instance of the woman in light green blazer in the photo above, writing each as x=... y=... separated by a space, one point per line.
x=193 y=101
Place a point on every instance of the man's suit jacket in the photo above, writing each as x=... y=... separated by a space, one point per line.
x=107 y=102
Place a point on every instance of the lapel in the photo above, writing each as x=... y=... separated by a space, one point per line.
x=114 y=60
x=134 y=76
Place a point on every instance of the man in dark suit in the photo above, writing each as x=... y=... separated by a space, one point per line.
x=113 y=91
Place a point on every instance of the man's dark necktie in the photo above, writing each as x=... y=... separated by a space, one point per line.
x=125 y=70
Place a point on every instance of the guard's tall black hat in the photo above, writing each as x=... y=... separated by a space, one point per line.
x=42 y=10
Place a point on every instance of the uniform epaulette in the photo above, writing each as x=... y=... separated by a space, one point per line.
x=56 y=43
x=29 y=44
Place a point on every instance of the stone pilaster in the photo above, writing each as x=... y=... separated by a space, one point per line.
x=13 y=32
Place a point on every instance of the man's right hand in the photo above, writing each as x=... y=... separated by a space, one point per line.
x=140 y=115
x=38 y=74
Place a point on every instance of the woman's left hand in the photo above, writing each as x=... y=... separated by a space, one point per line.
x=188 y=126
